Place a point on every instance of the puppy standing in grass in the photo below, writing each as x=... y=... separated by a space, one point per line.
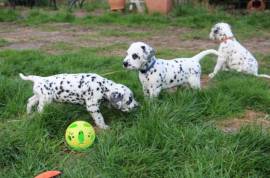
x=157 y=74
x=232 y=54
x=85 y=89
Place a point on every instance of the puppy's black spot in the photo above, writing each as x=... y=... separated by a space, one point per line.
x=47 y=88
x=181 y=69
x=93 y=78
x=143 y=48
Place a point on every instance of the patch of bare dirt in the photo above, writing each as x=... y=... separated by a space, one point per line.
x=23 y=37
x=80 y=13
x=250 y=117
x=171 y=38
x=45 y=36
x=258 y=44
x=25 y=45
x=98 y=12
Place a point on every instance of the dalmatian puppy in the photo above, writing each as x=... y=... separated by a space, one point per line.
x=233 y=56
x=85 y=89
x=157 y=74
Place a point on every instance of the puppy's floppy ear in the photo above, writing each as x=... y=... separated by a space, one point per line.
x=149 y=51
x=116 y=97
x=216 y=30
x=143 y=48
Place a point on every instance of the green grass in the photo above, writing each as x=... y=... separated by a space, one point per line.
x=36 y=17
x=190 y=16
x=174 y=135
x=115 y=33
x=95 y=4
x=3 y=42
x=8 y=15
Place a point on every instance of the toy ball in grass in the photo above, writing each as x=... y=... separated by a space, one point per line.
x=80 y=135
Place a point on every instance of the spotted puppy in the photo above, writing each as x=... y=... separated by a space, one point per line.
x=85 y=89
x=233 y=56
x=157 y=74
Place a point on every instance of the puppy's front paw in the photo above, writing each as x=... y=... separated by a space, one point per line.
x=212 y=75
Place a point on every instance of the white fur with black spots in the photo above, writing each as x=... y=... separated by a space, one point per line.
x=233 y=56
x=84 y=88
x=157 y=74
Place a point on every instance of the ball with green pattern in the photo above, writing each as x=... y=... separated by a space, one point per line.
x=80 y=135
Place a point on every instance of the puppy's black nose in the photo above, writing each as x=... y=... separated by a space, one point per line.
x=125 y=64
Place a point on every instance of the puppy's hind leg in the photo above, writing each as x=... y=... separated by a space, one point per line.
x=42 y=102
x=31 y=103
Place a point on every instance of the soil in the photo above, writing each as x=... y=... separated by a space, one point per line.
x=44 y=36
x=80 y=13
x=233 y=125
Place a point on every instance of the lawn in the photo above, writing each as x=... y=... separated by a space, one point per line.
x=175 y=135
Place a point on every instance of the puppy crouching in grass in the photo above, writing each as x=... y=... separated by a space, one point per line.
x=85 y=89
x=233 y=55
x=157 y=74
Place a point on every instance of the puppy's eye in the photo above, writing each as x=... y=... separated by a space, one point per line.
x=135 y=56
x=216 y=30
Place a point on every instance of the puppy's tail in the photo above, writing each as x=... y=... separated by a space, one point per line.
x=263 y=75
x=29 y=77
x=202 y=54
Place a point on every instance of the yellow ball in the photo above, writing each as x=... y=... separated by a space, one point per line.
x=80 y=135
